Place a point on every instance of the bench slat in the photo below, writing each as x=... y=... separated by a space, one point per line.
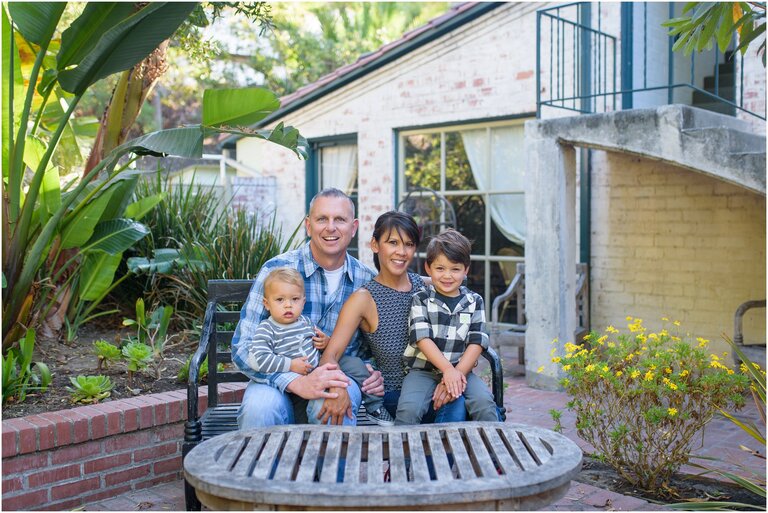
x=460 y=456
x=480 y=456
x=289 y=458
x=354 y=452
x=331 y=459
x=268 y=456
x=229 y=456
x=507 y=462
x=244 y=464
x=419 y=468
x=375 y=459
x=308 y=465
x=520 y=452
x=439 y=458
x=397 y=472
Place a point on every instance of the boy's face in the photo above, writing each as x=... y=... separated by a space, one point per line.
x=446 y=276
x=284 y=301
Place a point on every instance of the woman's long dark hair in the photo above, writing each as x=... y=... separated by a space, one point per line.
x=401 y=222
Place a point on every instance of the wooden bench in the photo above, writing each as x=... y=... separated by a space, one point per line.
x=513 y=334
x=225 y=300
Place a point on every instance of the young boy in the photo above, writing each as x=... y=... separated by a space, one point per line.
x=283 y=342
x=447 y=336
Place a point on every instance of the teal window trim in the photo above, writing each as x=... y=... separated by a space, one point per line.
x=626 y=54
x=312 y=166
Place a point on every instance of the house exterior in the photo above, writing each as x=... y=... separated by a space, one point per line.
x=453 y=105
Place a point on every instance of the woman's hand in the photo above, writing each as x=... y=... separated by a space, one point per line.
x=455 y=381
x=320 y=340
x=301 y=366
x=441 y=397
x=374 y=385
x=335 y=409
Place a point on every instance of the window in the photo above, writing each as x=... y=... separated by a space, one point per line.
x=480 y=170
x=333 y=163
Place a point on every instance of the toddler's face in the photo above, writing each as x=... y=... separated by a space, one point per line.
x=284 y=301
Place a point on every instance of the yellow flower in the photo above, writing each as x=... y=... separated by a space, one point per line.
x=629 y=357
x=629 y=317
x=714 y=357
x=642 y=338
x=635 y=374
x=567 y=367
x=648 y=376
x=730 y=371
x=684 y=373
x=702 y=341
x=672 y=411
x=619 y=373
x=672 y=386
x=556 y=359
x=540 y=370
x=611 y=345
x=571 y=348
x=611 y=329
x=552 y=353
x=664 y=333
x=668 y=370
x=653 y=336
x=606 y=368
x=566 y=382
x=554 y=341
x=675 y=339
x=665 y=319
x=602 y=339
x=676 y=323
x=590 y=367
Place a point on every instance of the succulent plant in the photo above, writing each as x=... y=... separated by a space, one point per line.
x=90 y=389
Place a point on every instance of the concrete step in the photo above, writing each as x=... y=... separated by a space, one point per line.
x=724 y=79
x=696 y=117
x=713 y=106
x=727 y=92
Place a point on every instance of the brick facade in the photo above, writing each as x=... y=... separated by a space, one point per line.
x=61 y=460
x=668 y=241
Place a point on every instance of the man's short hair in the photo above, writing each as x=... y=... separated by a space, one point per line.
x=285 y=275
x=332 y=192
x=452 y=244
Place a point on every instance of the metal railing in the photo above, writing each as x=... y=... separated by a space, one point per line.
x=577 y=68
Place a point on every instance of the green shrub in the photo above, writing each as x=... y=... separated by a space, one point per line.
x=183 y=375
x=209 y=242
x=641 y=398
x=139 y=357
x=106 y=353
x=90 y=389
x=20 y=374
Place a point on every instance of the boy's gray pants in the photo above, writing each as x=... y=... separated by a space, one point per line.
x=355 y=368
x=416 y=397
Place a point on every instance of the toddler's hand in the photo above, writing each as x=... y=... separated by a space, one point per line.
x=301 y=366
x=320 y=339
x=455 y=382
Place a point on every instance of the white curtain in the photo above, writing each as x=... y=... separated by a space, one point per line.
x=339 y=167
x=505 y=171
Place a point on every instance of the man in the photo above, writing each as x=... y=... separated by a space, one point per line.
x=330 y=276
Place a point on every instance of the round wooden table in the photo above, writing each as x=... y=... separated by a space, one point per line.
x=467 y=465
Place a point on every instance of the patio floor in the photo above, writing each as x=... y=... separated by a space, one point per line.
x=527 y=406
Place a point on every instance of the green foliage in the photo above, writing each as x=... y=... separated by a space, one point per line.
x=90 y=389
x=210 y=242
x=151 y=329
x=69 y=239
x=641 y=398
x=710 y=23
x=20 y=375
x=106 y=353
x=183 y=375
x=139 y=356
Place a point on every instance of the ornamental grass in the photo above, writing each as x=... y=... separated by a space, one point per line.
x=642 y=398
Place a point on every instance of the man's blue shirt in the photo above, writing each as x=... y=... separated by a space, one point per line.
x=321 y=307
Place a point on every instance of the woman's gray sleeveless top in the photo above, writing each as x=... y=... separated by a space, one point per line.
x=388 y=342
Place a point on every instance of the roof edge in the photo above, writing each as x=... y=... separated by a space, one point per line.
x=474 y=12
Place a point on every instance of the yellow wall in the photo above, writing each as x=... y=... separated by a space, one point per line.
x=667 y=241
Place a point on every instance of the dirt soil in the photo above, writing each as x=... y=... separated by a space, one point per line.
x=70 y=360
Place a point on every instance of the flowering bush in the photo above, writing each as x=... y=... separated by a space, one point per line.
x=640 y=398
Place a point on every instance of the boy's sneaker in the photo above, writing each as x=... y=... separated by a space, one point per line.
x=380 y=417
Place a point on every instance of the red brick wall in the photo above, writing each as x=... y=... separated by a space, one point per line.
x=61 y=460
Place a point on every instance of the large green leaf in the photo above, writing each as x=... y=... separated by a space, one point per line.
x=286 y=136
x=164 y=261
x=140 y=208
x=121 y=197
x=237 y=107
x=79 y=228
x=84 y=33
x=181 y=142
x=115 y=236
x=36 y=20
x=126 y=44
x=97 y=274
x=50 y=193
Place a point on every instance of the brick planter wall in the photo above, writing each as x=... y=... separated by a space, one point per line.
x=63 y=459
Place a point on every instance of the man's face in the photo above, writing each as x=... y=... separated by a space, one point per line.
x=330 y=226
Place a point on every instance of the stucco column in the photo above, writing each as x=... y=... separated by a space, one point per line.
x=550 y=249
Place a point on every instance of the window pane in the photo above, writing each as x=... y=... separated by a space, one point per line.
x=476 y=277
x=338 y=168
x=422 y=161
x=501 y=277
x=470 y=219
x=458 y=173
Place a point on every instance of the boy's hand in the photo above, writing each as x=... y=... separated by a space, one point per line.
x=320 y=339
x=455 y=381
x=301 y=366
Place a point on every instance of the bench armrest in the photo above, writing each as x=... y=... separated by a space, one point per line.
x=197 y=361
x=497 y=378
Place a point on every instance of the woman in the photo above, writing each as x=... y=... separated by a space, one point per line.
x=380 y=309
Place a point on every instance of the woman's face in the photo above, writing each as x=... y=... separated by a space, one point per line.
x=395 y=252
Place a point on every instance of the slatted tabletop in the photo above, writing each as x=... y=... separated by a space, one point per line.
x=468 y=465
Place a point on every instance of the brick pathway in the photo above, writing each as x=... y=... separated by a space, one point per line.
x=527 y=406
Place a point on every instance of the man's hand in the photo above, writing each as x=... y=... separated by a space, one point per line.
x=315 y=384
x=335 y=409
x=320 y=339
x=455 y=381
x=374 y=385
x=441 y=397
x=301 y=366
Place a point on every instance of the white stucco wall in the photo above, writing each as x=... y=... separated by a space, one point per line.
x=671 y=242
